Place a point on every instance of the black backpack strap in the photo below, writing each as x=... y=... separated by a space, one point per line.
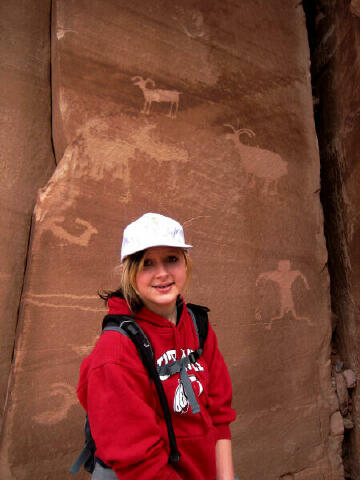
x=115 y=321
x=143 y=346
x=199 y=315
x=128 y=326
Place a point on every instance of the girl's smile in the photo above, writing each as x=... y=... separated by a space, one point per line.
x=164 y=288
x=161 y=279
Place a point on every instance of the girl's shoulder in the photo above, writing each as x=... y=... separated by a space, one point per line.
x=113 y=347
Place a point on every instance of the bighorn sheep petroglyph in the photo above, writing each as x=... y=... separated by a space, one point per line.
x=157 y=95
x=257 y=162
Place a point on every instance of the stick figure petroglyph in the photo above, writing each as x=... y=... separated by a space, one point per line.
x=258 y=162
x=284 y=277
x=57 y=413
x=157 y=95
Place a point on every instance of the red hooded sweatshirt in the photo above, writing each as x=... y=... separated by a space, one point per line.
x=124 y=411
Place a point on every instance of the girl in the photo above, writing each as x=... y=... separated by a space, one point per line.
x=124 y=411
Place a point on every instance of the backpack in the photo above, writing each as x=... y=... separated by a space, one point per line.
x=127 y=326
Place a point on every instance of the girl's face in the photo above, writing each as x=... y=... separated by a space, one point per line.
x=162 y=279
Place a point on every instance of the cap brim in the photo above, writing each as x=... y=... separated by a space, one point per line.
x=145 y=247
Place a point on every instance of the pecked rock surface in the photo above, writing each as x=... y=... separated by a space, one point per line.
x=201 y=111
x=26 y=157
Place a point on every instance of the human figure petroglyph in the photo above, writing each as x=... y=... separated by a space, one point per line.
x=258 y=162
x=157 y=95
x=83 y=239
x=58 y=412
x=284 y=277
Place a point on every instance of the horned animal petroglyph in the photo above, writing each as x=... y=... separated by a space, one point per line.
x=157 y=95
x=258 y=162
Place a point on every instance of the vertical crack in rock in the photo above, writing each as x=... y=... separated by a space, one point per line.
x=16 y=335
x=30 y=29
x=26 y=259
x=328 y=23
x=51 y=90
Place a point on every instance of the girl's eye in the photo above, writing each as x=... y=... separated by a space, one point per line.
x=172 y=259
x=147 y=262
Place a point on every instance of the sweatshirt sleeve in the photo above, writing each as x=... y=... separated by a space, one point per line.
x=220 y=388
x=124 y=424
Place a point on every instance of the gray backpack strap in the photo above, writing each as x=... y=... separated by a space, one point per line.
x=194 y=320
x=85 y=454
x=179 y=366
x=192 y=315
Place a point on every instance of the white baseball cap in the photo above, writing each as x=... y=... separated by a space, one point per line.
x=152 y=230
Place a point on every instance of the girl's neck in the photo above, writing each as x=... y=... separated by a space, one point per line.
x=173 y=316
x=170 y=313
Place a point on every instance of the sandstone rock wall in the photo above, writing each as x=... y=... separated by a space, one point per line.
x=336 y=74
x=201 y=111
x=26 y=157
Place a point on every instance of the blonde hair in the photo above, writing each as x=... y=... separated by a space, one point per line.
x=131 y=266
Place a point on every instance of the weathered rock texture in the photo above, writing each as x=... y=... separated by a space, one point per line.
x=201 y=111
x=26 y=158
x=336 y=74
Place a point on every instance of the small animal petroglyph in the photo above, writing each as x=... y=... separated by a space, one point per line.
x=257 y=162
x=191 y=22
x=284 y=277
x=157 y=95
x=83 y=239
x=58 y=412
